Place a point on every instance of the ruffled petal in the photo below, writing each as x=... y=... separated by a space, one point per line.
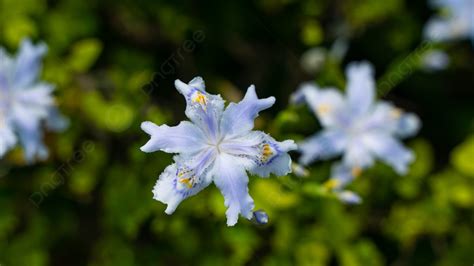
x=183 y=138
x=307 y=93
x=279 y=164
x=328 y=104
x=232 y=180
x=185 y=178
x=322 y=146
x=360 y=87
x=28 y=63
x=239 y=118
x=389 y=150
x=204 y=109
x=259 y=153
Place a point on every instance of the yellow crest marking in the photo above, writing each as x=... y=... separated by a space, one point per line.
x=323 y=108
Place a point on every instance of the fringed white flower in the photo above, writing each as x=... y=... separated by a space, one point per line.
x=218 y=145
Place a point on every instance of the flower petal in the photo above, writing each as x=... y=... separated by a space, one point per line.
x=327 y=104
x=183 y=138
x=7 y=137
x=357 y=154
x=204 y=109
x=32 y=105
x=239 y=118
x=184 y=179
x=349 y=197
x=31 y=138
x=360 y=87
x=6 y=66
x=342 y=175
x=28 y=63
x=390 y=151
x=259 y=153
x=408 y=125
x=232 y=180
x=322 y=146
x=55 y=120
x=280 y=163
x=392 y=120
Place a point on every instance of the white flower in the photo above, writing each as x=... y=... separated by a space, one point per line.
x=25 y=102
x=457 y=24
x=356 y=126
x=216 y=146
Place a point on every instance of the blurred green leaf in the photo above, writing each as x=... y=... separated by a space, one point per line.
x=84 y=54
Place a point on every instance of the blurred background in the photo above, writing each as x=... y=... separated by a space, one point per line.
x=114 y=64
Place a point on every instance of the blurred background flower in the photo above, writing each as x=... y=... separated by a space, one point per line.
x=26 y=103
x=114 y=64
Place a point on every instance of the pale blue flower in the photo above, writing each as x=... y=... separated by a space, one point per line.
x=218 y=145
x=457 y=22
x=435 y=60
x=25 y=102
x=313 y=60
x=356 y=126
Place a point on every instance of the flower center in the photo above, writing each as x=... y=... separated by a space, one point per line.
x=216 y=144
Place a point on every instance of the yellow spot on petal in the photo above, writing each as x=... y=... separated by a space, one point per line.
x=267 y=152
x=323 y=108
x=187 y=181
x=200 y=98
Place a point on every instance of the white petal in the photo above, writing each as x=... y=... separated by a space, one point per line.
x=328 y=104
x=239 y=118
x=391 y=120
x=204 y=109
x=31 y=138
x=408 y=125
x=360 y=87
x=185 y=138
x=55 y=120
x=183 y=179
x=232 y=181
x=260 y=154
x=32 y=104
x=342 y=175
x=357 y=154
x=435 y=60
x=322 y=146
x=6 y=63
x=28 y=63
x=7 y=137
x=390 y=151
